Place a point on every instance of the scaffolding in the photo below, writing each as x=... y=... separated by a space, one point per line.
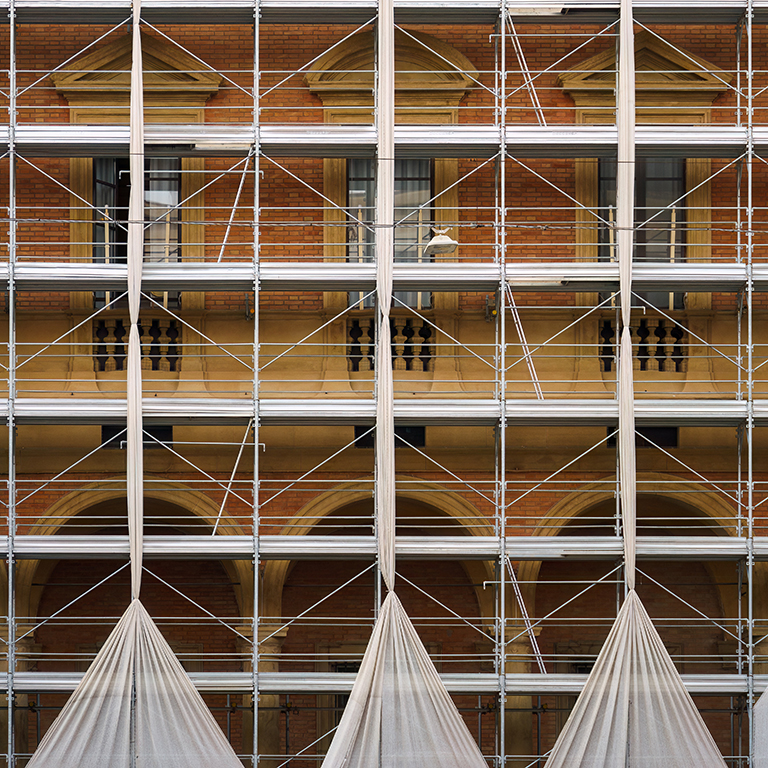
x=262 y=225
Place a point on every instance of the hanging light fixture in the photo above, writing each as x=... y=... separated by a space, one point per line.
x=440 y=243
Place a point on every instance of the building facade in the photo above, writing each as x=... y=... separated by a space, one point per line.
x=259 y=346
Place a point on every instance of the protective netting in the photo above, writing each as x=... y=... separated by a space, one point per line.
x=135 y=706
x=135 y=426
x=625 y=217
x=760 y=720
x=399 y=713
x=170 y=725
x=627 y=456
x=634 y=711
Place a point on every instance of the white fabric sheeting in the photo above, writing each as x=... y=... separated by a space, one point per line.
x=627 y=458
x=625 y=171
x=385 y=456
x=385 y=215
x=399 y=714
x=136 y=705
x=94 y=728
x=173 y=726
x=760 y=721
x=135 y=433
x=634 y=711
x=135 y=460
x=136 y=200
x=625 y=219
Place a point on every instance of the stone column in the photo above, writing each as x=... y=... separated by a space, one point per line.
x=518 y=725
x=269 y=715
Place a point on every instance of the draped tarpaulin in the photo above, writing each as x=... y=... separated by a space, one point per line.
x=625 y=218
x=625 y=169
x=634 y=711
x=135 y=434
x=760 y=724
x=169 y=727
x=136 y=706
x=627 y=458
x=399 y=713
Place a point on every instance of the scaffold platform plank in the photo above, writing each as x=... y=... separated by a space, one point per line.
x=604 y=276
x=328 y=140
x=320 y=547
x=359 y=11
x=571 y=684
x=314 y=683
x=358 y=411
x=436 y=276
x=655 y=412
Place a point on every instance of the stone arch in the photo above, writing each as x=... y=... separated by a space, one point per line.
x=576 y=504
x=445 y=503
x=67 y=509
x=324 y=506
x=692 y=495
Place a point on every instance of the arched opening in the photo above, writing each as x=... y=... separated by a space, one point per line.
x=695 y=610
x=68 y=641
x=657 y=515
x=333 y=634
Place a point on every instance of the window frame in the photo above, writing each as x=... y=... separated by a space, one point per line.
x=118 y=169
x=419 y=300
x=676 y=251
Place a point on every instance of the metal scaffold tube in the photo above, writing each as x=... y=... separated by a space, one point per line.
x=536 y=341
x=256 y=416
x=11 y=484
x=501 y=356
x=750 y=423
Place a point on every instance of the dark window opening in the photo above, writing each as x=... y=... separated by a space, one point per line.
x=115 y=436
x=664 y=437
x=340 y=700
x=660 y=232
x=413 y=220
x=162 y=217
x=415 y=436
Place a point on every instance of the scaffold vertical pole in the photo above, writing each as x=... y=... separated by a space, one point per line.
x=501 y=340
x=12 y=216
x=750 y=381
x=256 y=519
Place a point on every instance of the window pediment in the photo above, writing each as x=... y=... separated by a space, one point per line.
x=662 y=72
x=103 y=76
x=428 y=71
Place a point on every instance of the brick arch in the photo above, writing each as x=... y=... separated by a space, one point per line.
x=193 y=505
x=444 y=504
x=695 y=496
